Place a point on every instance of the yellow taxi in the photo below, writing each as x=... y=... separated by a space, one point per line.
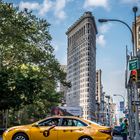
x=59 y=128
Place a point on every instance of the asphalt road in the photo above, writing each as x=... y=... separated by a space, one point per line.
x=117 y=138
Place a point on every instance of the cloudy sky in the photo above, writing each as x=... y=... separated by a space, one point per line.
x=112 y=37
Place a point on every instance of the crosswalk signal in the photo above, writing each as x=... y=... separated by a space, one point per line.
x=134 y=75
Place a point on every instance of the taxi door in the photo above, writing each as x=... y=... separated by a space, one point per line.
x=45 y=129
x=41 y=133
x=71 y=129
x=70 y=133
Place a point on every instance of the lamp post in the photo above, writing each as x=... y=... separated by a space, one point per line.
x=137 y=136
x=134 y=84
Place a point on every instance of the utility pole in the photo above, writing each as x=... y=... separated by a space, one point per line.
x=131 y=111
x=137 y=135
x=131 y=127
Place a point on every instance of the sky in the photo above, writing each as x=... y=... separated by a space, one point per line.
x=111 y=40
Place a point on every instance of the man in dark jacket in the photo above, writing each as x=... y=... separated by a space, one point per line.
x=124 y=129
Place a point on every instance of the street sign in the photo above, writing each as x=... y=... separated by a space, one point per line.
x=135 y=102
x=133 y=64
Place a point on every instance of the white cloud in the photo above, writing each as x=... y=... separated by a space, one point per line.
x=45 y=7
x=41 y=8
x=56 y=6
x=104 y=28
x=101 y=40
x=96 y=3
x=59 y=9
x=31 y=6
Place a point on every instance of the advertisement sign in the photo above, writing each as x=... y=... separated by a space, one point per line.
x=76 y=111
x=66 y=111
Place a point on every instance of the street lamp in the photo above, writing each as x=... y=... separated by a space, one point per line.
x=117 y=20
x=135 y=9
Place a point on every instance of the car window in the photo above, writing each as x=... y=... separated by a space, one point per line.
x=72 y=122
x=50 y=122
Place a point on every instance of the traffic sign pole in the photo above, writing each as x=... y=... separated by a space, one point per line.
x=131 y=114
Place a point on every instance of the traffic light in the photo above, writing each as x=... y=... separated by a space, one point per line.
x=134 y=75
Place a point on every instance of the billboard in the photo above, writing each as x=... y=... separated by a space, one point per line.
x=66 y=111
x=76 y=111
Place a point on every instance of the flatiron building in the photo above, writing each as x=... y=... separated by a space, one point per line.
x=81 y=64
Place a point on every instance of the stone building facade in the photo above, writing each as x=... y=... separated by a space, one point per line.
x=81 y=64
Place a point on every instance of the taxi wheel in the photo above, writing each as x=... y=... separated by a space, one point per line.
x=20 y=136
x=85 y=138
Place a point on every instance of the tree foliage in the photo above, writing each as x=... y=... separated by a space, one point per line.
x=29 y=71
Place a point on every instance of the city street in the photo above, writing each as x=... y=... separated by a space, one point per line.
x=76 y=72
x=117 y=138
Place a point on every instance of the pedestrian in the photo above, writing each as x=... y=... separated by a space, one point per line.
x=124 y=129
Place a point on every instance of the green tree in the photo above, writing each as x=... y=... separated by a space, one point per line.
x=29 y=70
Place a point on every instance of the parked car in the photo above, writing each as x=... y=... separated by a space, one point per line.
x=116 y=131
x=59 y=128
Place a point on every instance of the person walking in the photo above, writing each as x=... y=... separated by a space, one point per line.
x=124 y=129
